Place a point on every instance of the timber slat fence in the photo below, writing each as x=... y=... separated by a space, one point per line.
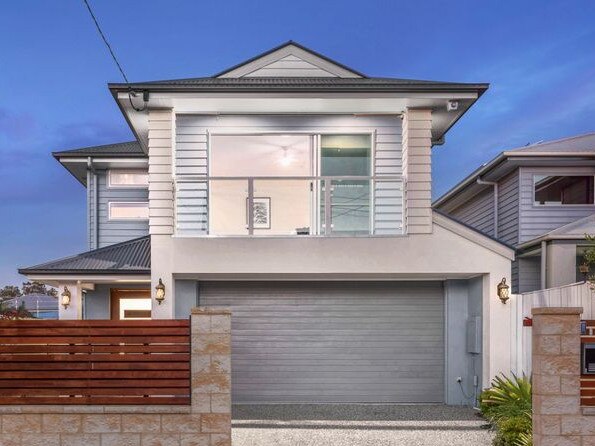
x=95 y=362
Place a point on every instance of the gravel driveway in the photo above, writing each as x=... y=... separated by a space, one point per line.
x=361 y=425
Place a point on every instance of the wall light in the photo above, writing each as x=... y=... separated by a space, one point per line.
x=503 y=289
x=65 y=297
x=160 y=294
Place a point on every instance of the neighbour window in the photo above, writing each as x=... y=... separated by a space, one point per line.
x=129 y=211
x=563 y=190
x=128 y=178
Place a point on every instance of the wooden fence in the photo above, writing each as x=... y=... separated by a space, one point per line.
x=95 y=362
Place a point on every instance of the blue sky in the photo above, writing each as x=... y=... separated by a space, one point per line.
x=539 y=57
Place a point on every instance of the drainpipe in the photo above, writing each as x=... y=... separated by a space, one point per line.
x=92 y=170
x=543 y=265
x=495 y=186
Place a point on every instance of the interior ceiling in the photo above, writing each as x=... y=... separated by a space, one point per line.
x=260 y=155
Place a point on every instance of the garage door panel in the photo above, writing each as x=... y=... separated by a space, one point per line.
x=334 y=341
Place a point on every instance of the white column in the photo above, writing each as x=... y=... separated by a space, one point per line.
x=75 y=309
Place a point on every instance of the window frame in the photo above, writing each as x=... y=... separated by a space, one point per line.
x=110 y=184
x=111 y=203
x=536 y=204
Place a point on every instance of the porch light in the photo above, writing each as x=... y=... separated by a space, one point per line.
x=503 y=290
x=584 y=270
x=65 y=297
x=160 y=295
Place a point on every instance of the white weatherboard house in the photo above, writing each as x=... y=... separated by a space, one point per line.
x=296 y=191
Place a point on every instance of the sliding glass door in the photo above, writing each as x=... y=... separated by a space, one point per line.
x=349 y=200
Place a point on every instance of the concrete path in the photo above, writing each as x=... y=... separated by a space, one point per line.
x=357 y=425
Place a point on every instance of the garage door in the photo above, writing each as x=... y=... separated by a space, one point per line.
x=315 y=342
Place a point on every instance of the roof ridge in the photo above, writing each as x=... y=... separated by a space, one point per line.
x=548 y=142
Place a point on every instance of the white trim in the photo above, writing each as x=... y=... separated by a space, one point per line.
x=473 y=236
x=110 y=185
x=109 y=213
x=142 y=159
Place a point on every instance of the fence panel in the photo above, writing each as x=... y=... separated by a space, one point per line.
x=95 y=362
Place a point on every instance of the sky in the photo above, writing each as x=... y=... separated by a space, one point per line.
x=538 y=56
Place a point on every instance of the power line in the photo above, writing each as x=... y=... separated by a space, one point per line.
x=105 y=41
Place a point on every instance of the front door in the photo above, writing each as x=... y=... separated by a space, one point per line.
x=130 y=304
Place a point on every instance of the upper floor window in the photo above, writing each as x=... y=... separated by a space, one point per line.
x=128 y=178
x=563 y=190
x=129 y=210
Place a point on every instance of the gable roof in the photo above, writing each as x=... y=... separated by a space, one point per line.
x=129 y=257
x=291 y=48
x=579 y=147
x=336 y=77
x=108 y=150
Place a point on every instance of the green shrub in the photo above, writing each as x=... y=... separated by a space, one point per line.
x=510 y=429
x=507 y=405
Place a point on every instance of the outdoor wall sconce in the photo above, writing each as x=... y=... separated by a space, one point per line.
x=65 y=297
x=584 y=270
x=503 y=289
x=160 y=295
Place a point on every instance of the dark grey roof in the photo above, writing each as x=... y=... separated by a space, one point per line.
x=130 y=257
x=113 y=150
x=370 y=84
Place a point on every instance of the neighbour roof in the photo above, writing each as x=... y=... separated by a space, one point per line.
x=574 y=230
x=580 y=143
x=112 y=150
x=130 y=257
x=574 y=146
x=34 y=301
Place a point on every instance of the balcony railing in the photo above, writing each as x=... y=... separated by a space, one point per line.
x=289 y=206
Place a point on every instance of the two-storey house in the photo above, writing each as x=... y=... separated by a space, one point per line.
x=296 y=191
x=538 y=198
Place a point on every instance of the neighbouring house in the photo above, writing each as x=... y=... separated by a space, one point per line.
x=540 y=199
x=297 y=192
x=41 y=306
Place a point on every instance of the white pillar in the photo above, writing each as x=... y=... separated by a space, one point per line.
x=75 y=309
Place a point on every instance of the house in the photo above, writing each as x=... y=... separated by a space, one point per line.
x=296 y=191
x=41 y=306
x=538 y=198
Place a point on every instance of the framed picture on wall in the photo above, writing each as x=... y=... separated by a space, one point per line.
x=261 y=212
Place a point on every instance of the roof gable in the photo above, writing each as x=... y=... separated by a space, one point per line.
x=290 y=60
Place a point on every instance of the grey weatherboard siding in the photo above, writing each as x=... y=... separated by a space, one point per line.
x=192 y=142
x=113 y=231
x=317 y=342
x=478 y=212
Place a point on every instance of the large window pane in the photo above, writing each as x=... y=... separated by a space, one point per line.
x=560 y=190
x=346 y=155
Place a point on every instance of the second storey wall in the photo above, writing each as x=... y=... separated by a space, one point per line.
x=112 y=231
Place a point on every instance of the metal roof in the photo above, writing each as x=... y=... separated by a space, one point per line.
x=112 y=150
x=371 y=84
x=129 y=257
x=580 y=143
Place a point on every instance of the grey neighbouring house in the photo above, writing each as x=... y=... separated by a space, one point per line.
x=538 y=198
x=296 y=191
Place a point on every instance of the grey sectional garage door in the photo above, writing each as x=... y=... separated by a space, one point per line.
x=334 y=341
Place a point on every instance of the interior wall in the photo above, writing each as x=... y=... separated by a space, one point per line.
x=290 y=203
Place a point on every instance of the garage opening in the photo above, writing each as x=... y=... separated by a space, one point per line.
x=334 y=342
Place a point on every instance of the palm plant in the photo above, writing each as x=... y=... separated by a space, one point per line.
x=507 y=405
